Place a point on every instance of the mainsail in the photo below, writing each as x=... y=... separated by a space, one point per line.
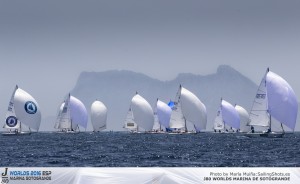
x=219 y=124
x=142 y=113
x=63 y=120
x=11 y=121
x=98 y=115
x=59 y=115
x=259 y=115
x=177 y=120
x=129 y=122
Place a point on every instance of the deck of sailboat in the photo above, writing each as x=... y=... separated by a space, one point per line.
x=15 y=133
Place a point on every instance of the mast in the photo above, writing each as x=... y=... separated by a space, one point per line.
x=179 y=95
x=221 y=116
x=270 y=122
x=71 y=129
x=185 y=125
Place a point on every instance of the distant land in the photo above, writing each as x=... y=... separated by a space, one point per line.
x=115 y=89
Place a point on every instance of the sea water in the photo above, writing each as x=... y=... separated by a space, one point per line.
x=119 y=149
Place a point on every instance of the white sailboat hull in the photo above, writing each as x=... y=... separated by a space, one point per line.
x=15 y=133
x=189 y=132
x=67 y=132
x=266 y=135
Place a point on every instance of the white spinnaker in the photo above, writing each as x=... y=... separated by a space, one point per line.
x=229 y=115
x=219 y=124
x=193 y=109
x=98 y=115
x=163 y=113
x=259 y=112
x=78 y=113
x=27 y=109
x=142 y=112
x=11 y=113
x=282 y=101
x=244 y=118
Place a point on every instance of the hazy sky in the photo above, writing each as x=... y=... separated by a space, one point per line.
x=45 y=44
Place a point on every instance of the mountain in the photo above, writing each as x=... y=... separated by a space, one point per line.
x=116 y=88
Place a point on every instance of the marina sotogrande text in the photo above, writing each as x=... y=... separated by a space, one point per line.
x=247 y=176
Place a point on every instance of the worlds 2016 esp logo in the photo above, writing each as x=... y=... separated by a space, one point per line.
x=24 y=175
x=30 y=107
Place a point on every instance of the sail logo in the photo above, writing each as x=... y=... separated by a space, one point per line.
x=11 y=121
x=30 y=107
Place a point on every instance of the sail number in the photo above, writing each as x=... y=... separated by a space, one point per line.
x=261 y=96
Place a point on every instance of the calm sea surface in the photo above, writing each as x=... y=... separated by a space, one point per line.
x=118 y=149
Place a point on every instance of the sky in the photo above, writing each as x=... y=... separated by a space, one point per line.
x=46 y=44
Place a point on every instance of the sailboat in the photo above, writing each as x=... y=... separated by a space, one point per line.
x=140 y=115
x=129 y=122
x=227 y=116
x=23 y=113
x=162 y=116
x=275 y=100
x=244 y=119
x=187 y=108
x=72 y=113
x=98 y=116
